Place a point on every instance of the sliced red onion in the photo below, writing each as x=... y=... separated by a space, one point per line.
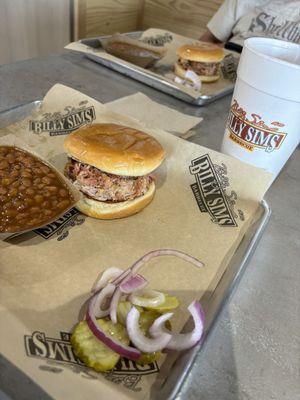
x=107 y=275
x=182 y=341
x=106 y=292
x=120 y=278
x=143 y=343
x=191 y=80
x=112 y=343
x=127 y=285
x=114 y=305
x=164 y=252
x=194 y=78
x=147 y=298
x=156 y=253
x=129 y=280
x=133 y=283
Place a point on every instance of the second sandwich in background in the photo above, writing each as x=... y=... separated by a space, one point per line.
x=111 y=165
x=202 y=58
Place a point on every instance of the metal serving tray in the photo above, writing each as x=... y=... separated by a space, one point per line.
x=211 y=91
x=172 y=385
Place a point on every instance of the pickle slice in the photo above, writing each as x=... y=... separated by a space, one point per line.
x=92 y=351
x=146 y=320
x=148 y=358
x=123 y=309
x=170 y=303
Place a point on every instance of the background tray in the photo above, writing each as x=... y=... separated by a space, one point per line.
x=211 y=91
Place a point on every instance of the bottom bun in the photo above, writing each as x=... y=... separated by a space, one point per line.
x=209 y=79
x=102 y=210
x=203 y=78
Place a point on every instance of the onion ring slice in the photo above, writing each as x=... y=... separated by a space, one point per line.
x=114 y=344
x=164 y=252
x=114 y=305
x=156 y=253
x=147 y=298
x=183 y=341
x=106 y=276
x=143 y=343
x=107 y=291
x=194 y=78
x=133 y=283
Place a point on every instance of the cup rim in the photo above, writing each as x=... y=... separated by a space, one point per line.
x=280 y=43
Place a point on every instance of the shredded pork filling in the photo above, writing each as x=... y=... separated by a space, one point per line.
x=201 y=68
x=102 y=186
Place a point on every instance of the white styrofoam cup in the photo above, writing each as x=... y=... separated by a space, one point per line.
x=263 y=127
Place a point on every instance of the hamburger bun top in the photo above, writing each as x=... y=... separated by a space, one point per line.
x=201 y=52
x=115 y=149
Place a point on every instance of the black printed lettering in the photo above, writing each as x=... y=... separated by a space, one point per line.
x=66 y=123
x=209 y=193
x=60 y=350
x=38 y=340
x=259 y=23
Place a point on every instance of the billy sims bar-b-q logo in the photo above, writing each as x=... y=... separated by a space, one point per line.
x=62 y=123
x=251 y=133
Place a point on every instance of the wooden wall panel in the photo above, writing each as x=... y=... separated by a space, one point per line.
x=187 y=17
x=104 y=17
x=33 y=28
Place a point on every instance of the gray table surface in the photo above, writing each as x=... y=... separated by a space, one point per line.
x=253 y=351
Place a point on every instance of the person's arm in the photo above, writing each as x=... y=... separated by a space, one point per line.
x=221 y=24
x=209 y=37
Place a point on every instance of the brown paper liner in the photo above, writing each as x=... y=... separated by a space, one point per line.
x=46 y=278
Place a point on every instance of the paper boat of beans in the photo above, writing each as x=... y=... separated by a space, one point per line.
x=33 y=193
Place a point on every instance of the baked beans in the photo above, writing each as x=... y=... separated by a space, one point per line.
x=31 y=193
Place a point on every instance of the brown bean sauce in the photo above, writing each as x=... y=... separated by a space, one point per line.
x=31 y=193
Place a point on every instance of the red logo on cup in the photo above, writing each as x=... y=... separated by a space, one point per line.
x=251 y=133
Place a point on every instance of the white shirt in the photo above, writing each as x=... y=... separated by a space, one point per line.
x=242 y=19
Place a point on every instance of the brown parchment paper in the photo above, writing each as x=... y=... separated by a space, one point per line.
x=152 y=114
x=164 y=67
x=45 y=276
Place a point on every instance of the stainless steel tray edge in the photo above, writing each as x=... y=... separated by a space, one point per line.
x=184 y=364
x=143 y=77
x=17 y=113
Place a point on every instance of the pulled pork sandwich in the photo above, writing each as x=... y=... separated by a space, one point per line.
x=202 y=58
x=111 y=165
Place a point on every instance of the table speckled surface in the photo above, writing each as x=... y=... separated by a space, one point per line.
x=253 y=350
